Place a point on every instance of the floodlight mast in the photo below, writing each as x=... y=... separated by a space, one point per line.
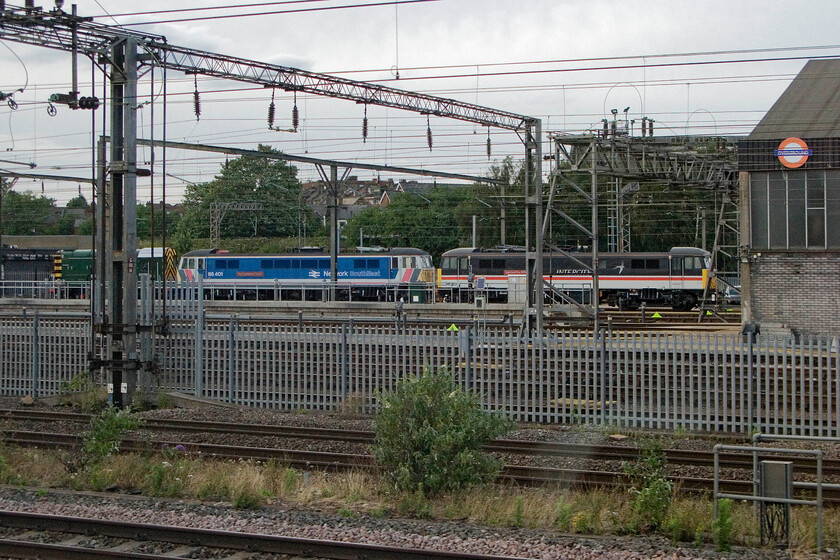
x=118 y=48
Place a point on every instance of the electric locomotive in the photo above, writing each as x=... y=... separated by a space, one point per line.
x=401 y=273
x=626 y=280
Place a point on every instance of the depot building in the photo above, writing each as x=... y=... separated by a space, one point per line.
x=790 y=209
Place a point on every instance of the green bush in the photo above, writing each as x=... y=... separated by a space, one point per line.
x=429 y=436
x=722 y=525
x=106 y=432
x=83 y=393
x=652 y=489
x=565 y=513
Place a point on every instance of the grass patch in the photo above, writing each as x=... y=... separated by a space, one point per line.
x=251 y=484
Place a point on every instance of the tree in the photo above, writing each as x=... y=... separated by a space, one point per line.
x=144 y=221
x=272 y=183
x=78 y=203
x=25 y=214
x=436 y=220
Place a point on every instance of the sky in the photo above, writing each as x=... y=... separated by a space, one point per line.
x=695 y=67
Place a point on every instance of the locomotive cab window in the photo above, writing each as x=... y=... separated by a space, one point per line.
x=693 y=263
x=200 y=264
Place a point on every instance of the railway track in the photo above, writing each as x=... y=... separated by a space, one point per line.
x=328 y=461
x=69 y=538
x=830 y=467
x=331 y=461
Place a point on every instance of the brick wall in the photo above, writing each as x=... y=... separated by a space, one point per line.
x=798 y=290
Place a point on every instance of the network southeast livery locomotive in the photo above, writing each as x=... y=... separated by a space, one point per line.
x=675 y=278
x=391 y=275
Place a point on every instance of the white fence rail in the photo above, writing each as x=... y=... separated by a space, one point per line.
x=669 y=381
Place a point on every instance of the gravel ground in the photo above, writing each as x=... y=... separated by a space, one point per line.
x=280 y=518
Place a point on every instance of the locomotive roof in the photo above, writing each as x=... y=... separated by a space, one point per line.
x=217 y=252
x=467 y=251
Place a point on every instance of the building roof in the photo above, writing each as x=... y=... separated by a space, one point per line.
x=808 y=108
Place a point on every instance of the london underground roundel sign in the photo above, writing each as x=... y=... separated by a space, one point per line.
x=793 y=152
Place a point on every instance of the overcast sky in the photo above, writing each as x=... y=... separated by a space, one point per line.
x=515 y=56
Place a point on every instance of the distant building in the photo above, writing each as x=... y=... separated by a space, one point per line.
x=357 y=195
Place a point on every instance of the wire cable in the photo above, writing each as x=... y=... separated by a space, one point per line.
x=209 y=8
x=275 y=12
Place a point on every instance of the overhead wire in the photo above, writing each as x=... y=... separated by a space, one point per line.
x=210 y=8
x=276 y=12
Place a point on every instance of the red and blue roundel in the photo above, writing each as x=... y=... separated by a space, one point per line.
x=793 y=152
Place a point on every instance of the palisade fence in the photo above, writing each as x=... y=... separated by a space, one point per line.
x=706 y=382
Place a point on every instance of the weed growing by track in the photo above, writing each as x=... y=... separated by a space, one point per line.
x=249 y=484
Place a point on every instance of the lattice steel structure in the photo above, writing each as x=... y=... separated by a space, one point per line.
x=217 y=214
x=623 y=159
x=127 y=54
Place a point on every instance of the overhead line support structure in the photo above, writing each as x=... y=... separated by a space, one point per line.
x=128 y=54
x=666 y=160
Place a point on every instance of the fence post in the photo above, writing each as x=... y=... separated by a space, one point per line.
x=233 y=325
x=750 y=381
x=345 y=370
x=602 y=350
x=36 y=354
x=468 y=333
x=199 y=349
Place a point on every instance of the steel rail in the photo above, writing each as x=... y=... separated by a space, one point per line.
x=227 y=540
x=330 y=461
x=510 y=446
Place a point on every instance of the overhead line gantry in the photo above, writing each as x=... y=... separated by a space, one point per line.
x=130 y=53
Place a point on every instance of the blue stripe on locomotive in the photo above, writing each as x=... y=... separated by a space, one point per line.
x=299 y=268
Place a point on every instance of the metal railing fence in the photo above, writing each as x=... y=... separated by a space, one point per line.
x=705 y=382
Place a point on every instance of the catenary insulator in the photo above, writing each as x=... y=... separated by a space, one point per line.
x=196 y=101
x=365 y=127
x=650 y=128
x=295 y=118
x=429 y=133
x=271 y=110
x=488 y=142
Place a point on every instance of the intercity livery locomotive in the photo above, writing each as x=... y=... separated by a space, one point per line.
x=396 y=274
x=626 y=280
